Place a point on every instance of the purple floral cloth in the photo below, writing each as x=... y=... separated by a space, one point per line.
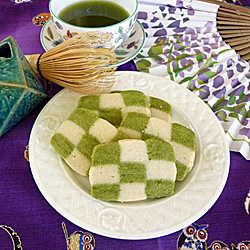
x=26 y=216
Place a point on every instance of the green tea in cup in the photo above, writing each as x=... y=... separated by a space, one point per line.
x=115 y=19
x=93 y=14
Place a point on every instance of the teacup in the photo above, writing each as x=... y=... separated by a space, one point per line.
x=116 y=34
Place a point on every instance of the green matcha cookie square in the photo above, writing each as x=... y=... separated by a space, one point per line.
x=84 y=118
x=106 y=153
x=132 y=172
x=91 y=102
x=160 y=109
x=146 y=136
x=120 y=136
x=160 y=150
x=183 y=135
x=159 y=188
x=135 y=121
x=87 y=144
x=160 y=105
x=62 y=145
x=134 y=98
x=112 y=115
x=182 y=171
x=107 y=192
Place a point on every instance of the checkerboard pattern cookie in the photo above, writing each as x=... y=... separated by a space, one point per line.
x=182 y=139
x=79 y=134
x=159 y=108
x=132 y=170
x=114 y=106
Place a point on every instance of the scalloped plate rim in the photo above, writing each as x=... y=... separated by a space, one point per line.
x=60 y=208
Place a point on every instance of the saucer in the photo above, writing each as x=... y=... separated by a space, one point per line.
x=124 y=53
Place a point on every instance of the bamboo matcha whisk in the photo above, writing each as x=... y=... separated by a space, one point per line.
x=84 y=64
x=233 y=23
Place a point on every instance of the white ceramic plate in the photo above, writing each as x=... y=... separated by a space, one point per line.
x=124 y=53
x=69 y=193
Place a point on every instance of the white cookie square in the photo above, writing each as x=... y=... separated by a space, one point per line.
x=71 y=131
x=160 y=169
x=132 y=192
x=159 y=128
x=103 y=131
x=78 y=162
x=133 y=151
x=104 y=174
x=112 y=100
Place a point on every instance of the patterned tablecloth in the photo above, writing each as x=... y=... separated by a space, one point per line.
x=28 y=221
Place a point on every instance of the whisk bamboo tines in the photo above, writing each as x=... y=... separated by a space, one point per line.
x=233 y=23
x=84 y=64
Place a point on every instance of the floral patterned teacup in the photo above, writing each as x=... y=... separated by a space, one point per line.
x=116 y=33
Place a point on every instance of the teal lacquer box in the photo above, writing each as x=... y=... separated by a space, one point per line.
x=21 y=91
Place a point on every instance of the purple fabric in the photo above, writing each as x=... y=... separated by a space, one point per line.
x=39 y=226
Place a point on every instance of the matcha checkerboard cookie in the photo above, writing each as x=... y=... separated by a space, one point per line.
x=114 y=106
x=132 y=170
x=79 y=134
x=182 y=139
x=159 y=108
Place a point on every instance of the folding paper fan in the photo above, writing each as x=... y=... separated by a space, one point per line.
x=183 y=44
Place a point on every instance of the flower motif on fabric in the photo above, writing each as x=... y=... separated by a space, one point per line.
x=41 y=19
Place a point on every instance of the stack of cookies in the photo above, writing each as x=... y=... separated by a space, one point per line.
x=127 y=145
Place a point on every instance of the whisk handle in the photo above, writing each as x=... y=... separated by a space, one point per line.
x=32 y=59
